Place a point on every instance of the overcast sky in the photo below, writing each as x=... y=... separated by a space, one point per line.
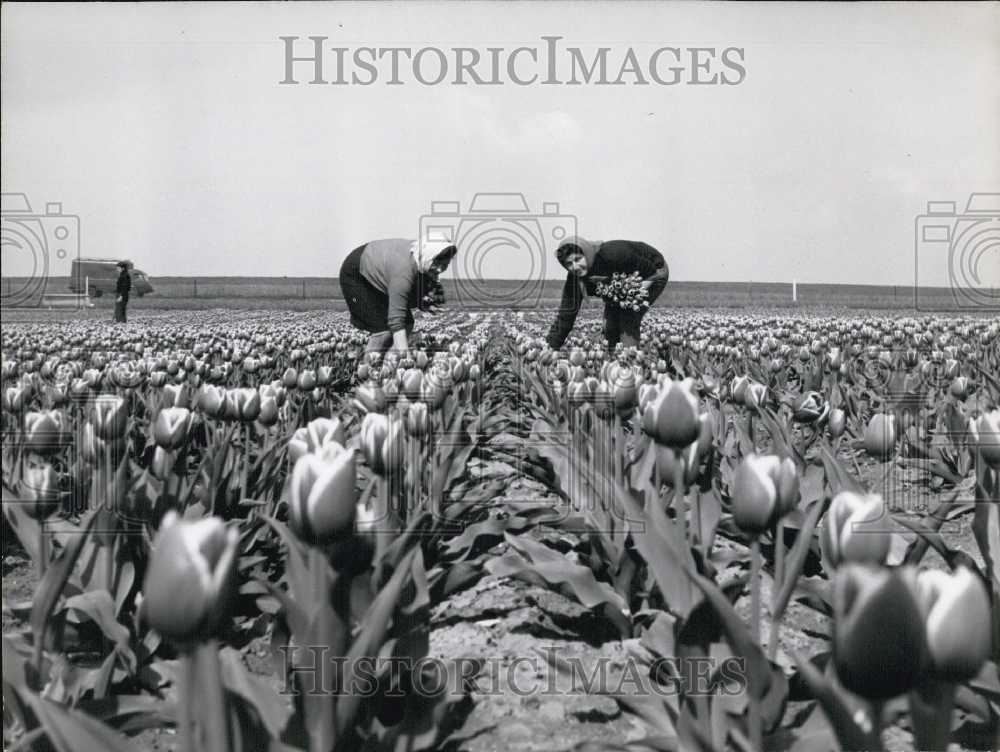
x=165 y=129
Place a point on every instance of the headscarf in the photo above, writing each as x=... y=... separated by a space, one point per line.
x=425 y=251
x=589 y=249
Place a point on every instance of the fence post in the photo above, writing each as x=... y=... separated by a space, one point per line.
x=303 y=289
x=196 y=287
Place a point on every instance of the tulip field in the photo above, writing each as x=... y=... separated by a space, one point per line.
x=240 y=531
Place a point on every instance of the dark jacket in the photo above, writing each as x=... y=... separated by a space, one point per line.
x=612 y=257
x=124 y=285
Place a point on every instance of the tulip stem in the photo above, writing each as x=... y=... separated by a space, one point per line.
x=212 y=697
x=43 y=549
x=246 y=460
x=878 y=707
x=779 y=581
x=382 y=513
x=931 y=707
x=756 y=734
x=680 y=505
x=187 y=686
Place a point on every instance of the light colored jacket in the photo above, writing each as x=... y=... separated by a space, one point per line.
x=389 y=266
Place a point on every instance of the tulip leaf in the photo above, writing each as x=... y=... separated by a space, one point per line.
x=72 y=731
x=537 y=559
x=53 y=583
x=25 y=528
x=797 y=559
x=661 y=543
x=839 y=478
x=370 y=636
x=692 y=733
x=297 y=569
x=270 y=706
x=850 y=735
x=98 y=606
x=737 y=634
x=482 y=535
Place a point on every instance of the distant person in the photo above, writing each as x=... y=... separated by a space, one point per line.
x=384 y=280
x=122 y=289
x=589 y=263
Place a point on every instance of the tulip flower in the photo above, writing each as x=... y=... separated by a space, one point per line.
x=212 y=401
x=40 y=491
x=646 y=394
x=739 y=389
x=92 y=377
x=314 y=436
x=959 y=387
x=171 y=427
x=667 y=459
x=307 y=380
x=374 y=430
x=370 y=398
x=94 y=450
x=672 y=418
x=879 y=638
x=433 y=394
x=268 y=412
x=851 y=531
x=837 y=422
x=956 y=606
x=411 y=383
x=624 y=390
x=176 y=396
x=322 y=495
x=880 y=435
x=417 y=421
x=290 y=379
x=242 y=404
x=810 y=407
x=755 y=396
x=765 y=489
x=45 y=431
x=191 y=578
x=109 y=416
x=988 y=438
x=163 y=462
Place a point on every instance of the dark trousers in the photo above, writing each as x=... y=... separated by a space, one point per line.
x=120 y=310
x=624 y=326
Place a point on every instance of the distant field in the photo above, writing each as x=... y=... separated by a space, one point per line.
x=306 y=293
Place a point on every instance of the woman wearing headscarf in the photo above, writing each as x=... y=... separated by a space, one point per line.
x=589 y=263
x=384 y=280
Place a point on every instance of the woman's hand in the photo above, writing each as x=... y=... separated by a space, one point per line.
x=399 y=343
x=646 y=284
